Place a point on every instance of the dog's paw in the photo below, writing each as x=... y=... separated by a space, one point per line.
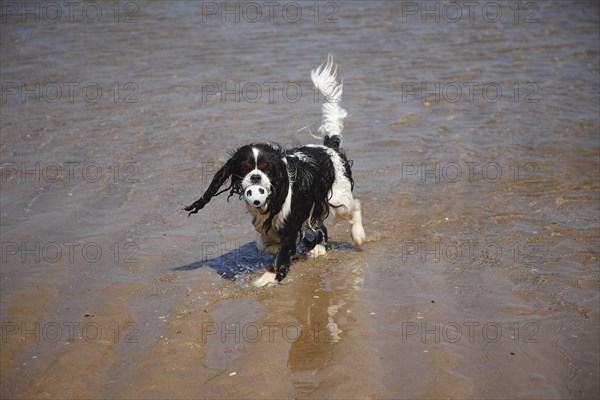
x=318 y=251
x=265 y=279
x=358 y=234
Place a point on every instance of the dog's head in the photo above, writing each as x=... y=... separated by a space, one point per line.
x=257 y=165
x=254 y=164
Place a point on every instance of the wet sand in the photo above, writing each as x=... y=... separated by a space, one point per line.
x=481 y=279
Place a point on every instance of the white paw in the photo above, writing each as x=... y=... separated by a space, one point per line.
x=265 y=279
x=358 y=234
x=319 y=250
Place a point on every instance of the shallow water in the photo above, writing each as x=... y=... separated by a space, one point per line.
x=475 y=148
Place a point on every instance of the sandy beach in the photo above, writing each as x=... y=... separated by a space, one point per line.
x=474 y=135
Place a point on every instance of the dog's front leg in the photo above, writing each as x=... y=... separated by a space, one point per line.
x=283 y=259
x=280 y=265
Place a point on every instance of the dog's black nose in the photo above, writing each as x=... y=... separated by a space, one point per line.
x=255 y=178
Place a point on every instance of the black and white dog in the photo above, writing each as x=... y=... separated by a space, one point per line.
x=302 y=185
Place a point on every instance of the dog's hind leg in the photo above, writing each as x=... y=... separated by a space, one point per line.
x=352 y=213
x=358 y=231
x=316 y=239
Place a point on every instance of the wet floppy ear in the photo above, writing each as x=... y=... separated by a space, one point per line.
x=213 y=189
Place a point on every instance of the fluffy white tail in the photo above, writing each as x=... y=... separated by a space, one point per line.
x=324 y=79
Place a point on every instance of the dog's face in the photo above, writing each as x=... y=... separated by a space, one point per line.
x=255 y=166
x=263 y=165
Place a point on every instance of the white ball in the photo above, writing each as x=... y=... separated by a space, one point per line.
x=256 y=195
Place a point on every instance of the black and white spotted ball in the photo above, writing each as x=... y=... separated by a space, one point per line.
x=256 y=195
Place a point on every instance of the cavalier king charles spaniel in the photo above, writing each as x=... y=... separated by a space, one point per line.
x=294 y=189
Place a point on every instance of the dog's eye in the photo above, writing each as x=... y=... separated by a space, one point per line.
x=248 y=164
x=263 y=165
